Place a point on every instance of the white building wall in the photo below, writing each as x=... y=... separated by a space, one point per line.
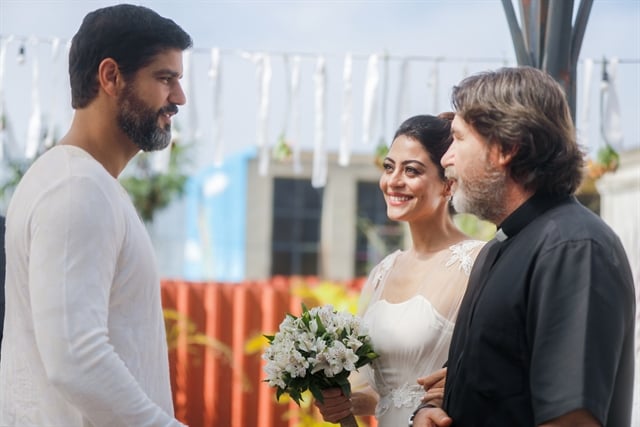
x=620 y=208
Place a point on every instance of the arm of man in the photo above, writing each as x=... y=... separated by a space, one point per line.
x=431 y=417
x=72 y=260
x=583 y=303
x=580 y=418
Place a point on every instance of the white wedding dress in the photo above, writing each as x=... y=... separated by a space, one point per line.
x=412 y=336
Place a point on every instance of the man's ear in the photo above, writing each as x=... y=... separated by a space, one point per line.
x=446 y=190
x=500 y=156
x=109 y=76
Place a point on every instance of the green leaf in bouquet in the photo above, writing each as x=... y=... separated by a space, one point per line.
x=316 y=391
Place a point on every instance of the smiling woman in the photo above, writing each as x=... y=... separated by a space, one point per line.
x=410 y=301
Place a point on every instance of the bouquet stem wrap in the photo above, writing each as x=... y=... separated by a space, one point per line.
x=349 y=421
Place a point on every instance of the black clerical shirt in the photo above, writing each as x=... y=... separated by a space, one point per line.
x=547 y=324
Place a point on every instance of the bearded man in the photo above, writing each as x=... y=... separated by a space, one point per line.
x=84 y=339
x=545 y=334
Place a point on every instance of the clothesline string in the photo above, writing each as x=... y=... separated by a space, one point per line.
x=24 y=40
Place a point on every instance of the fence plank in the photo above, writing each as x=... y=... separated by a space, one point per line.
x=215 y=381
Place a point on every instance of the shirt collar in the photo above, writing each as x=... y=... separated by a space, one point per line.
x=535 y=206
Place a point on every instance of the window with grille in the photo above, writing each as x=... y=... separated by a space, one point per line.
x=297 y=210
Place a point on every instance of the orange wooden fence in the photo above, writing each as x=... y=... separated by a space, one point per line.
x=216 y=381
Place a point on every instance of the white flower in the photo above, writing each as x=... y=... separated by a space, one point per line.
x=322 y=341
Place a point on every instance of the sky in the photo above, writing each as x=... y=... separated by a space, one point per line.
x=444 y=40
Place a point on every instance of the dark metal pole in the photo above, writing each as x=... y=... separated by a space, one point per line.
x=548 y=40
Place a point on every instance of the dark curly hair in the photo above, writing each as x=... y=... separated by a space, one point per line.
x=131 y=35
x=525 y=111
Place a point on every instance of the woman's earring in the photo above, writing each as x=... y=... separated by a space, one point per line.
x=449 y=198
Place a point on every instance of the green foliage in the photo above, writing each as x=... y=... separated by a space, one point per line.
x=381 y=151
x=151 y=191
x=474 y=227
x=15 y=170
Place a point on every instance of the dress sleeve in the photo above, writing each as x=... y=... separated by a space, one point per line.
x=578 y=317
x=74 y=245
x=374 y=285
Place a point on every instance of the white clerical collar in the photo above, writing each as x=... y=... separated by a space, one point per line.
x=501 y=236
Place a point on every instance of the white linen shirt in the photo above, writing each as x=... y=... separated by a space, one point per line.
x=84 y=339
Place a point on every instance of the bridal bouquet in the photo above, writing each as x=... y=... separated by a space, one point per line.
x=315 y=351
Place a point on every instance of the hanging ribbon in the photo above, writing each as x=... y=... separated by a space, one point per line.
x=402 y=101
x=215 y=74
x=465 y=70
x=383 y=104
x=346 y=120
x=611 y=119
x=435 y=85
x=295 y=114
x=583 y=129
x=282 y=148
x=67 y=110
x=370 y=98
x=319 y=173
x=160 y=160
x=263 y=75
x=51 y=125
x=4 y=43
x=34 y=130
x=193 y=133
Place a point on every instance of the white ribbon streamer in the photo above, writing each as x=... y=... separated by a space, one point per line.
x=402 y=102
x=34 y=130
x=263 y=74
x=295 y=114
x=435 y=85
x=583 y=129
x=465 y=70
x=215 y=74
x=51 y=125
x=370 y=98
x=383 y=104
x=319 y=173
x=346 y=120
x=610 y=108
x=193 y=132
x=4 y=43
x=67 y=110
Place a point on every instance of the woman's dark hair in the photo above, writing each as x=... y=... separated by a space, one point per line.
x=432 y=132
x=525 y=111
x=130 y=35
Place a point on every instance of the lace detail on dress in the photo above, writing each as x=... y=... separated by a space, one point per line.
x=407 y=396
x=384 y=267
x=461 y=253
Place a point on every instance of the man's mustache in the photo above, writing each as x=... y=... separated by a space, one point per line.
x=171 y=108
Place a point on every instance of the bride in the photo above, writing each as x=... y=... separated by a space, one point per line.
x=411 y=298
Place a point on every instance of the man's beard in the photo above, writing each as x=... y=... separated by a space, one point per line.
x=483 y=196
x=140 y=123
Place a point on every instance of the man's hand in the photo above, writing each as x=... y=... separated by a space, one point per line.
x=432 y=417
x=433 y=385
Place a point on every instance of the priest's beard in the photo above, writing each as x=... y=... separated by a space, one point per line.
x=482 y=195
x=140 y=122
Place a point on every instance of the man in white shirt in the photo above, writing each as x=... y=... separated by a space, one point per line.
x=84 y=338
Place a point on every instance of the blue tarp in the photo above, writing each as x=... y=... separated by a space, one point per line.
x=216 y=204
